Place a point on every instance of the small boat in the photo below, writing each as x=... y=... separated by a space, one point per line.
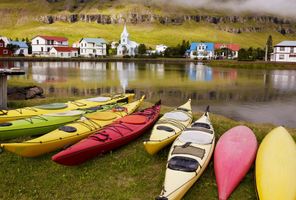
x=169 y=127
x=70 y=133
x=119 y=133
x=21 y=113
x=276 y=166
x=234 y=154
x=188 y=158
x=41 y=124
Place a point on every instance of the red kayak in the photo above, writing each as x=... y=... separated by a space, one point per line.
x=113 y=136
x=234 y=154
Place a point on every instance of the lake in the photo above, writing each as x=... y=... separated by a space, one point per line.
x=261 y=96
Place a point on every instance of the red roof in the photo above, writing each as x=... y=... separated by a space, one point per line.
x=58 y=39
x=233 y=47
x=65 y=49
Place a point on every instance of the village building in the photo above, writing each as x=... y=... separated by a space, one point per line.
x=22 y=49
x=93 y=47
x=126 y=46
x=41 y=45
x=284 y=51
x=5 y=40
x=226 y=51
x=63 y=52
x=160 y=49
x=4 y=51
x=201 y=50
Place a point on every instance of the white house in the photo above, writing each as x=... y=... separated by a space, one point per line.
x=22 y=48
x=160 y=49
x=93 y=47
x=41 y=45
x=63 y=52
x=5 y=40
x=284 y=51
x=126 y=46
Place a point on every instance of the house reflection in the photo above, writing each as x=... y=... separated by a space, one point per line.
x=199 y=72
x=283 y=80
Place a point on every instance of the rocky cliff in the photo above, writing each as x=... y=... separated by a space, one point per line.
x=233 y=24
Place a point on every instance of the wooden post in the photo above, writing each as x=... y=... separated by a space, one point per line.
x=3 y=91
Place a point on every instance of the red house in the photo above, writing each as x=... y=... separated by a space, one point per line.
x=229 y=51
x=3 y=50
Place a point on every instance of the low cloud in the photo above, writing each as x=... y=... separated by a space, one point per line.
x=275 y=7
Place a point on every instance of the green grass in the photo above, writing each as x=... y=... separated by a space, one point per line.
x=150 y=34
x=126 y=173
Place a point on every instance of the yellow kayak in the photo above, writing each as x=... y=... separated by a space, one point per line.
x=188 y=158
x=20 y=113
x=169 y=127
x=276 y=166
x=70 y=133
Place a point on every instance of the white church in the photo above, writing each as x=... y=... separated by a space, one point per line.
x=126 y=46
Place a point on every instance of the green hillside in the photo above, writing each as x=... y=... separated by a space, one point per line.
x=20 y=20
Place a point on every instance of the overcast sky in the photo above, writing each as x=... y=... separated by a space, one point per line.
x=277 y=7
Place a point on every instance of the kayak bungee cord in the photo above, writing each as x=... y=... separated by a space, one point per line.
x=30 y=120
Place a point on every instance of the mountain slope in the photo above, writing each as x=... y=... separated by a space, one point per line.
x=148 y=22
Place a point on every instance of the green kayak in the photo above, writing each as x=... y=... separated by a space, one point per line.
x=41 y=124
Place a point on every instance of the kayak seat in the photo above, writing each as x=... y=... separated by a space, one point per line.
x=65 y=114
x=103 y=116
x=5 y=124
x=52 y=106
x=134 y=119
x=200 y=129
x=99 y=99
x=201 y=125
x=165 y=128
x=68 y=129
x=190 y=150
x=176 y=115
x=197 y=137
x=184 y=164
x=183 y=109
x=93 y=109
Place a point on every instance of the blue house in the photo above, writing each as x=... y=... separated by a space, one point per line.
x=22 y=48
x=201 y=50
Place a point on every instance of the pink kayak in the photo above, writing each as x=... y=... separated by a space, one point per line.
x=234 y=154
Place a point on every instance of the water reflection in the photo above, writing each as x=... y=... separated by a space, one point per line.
x=173 y=83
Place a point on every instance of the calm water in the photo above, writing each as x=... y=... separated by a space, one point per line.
x=260 y=96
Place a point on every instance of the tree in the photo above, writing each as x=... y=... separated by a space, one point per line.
x=269 y=46
x=142 y=49
x=12 y=47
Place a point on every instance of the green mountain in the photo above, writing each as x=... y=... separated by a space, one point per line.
x=150 y=22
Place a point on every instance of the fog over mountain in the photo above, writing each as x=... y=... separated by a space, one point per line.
x=276 y=7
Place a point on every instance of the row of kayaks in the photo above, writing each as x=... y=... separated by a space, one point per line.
x=101 y=124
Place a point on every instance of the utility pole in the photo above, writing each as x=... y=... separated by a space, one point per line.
x=266 y=51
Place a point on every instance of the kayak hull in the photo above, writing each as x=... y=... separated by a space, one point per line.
x=234 y=154
x=276 y=166
x=62 y=137
x=94 y=145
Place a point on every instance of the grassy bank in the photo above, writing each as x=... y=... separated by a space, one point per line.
x=127 y=173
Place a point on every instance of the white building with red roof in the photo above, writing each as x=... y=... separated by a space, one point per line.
x=63 y=52
x=228 y=51
x=41 y=45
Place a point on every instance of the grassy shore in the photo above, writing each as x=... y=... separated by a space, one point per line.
x=126 y=173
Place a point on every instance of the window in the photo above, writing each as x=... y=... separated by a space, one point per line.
x=41 y=48
x=282 y=57
x=123 y=40
x=291 y=49
x=48 y=49
x=282 y=48
x=37 y=41
x=69 y=54
x=5 y=52
x=94 y=51
x=85 y=44
x=1 y=44
x=62 y=54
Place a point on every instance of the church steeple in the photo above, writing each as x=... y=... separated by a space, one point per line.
x=124 y=36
